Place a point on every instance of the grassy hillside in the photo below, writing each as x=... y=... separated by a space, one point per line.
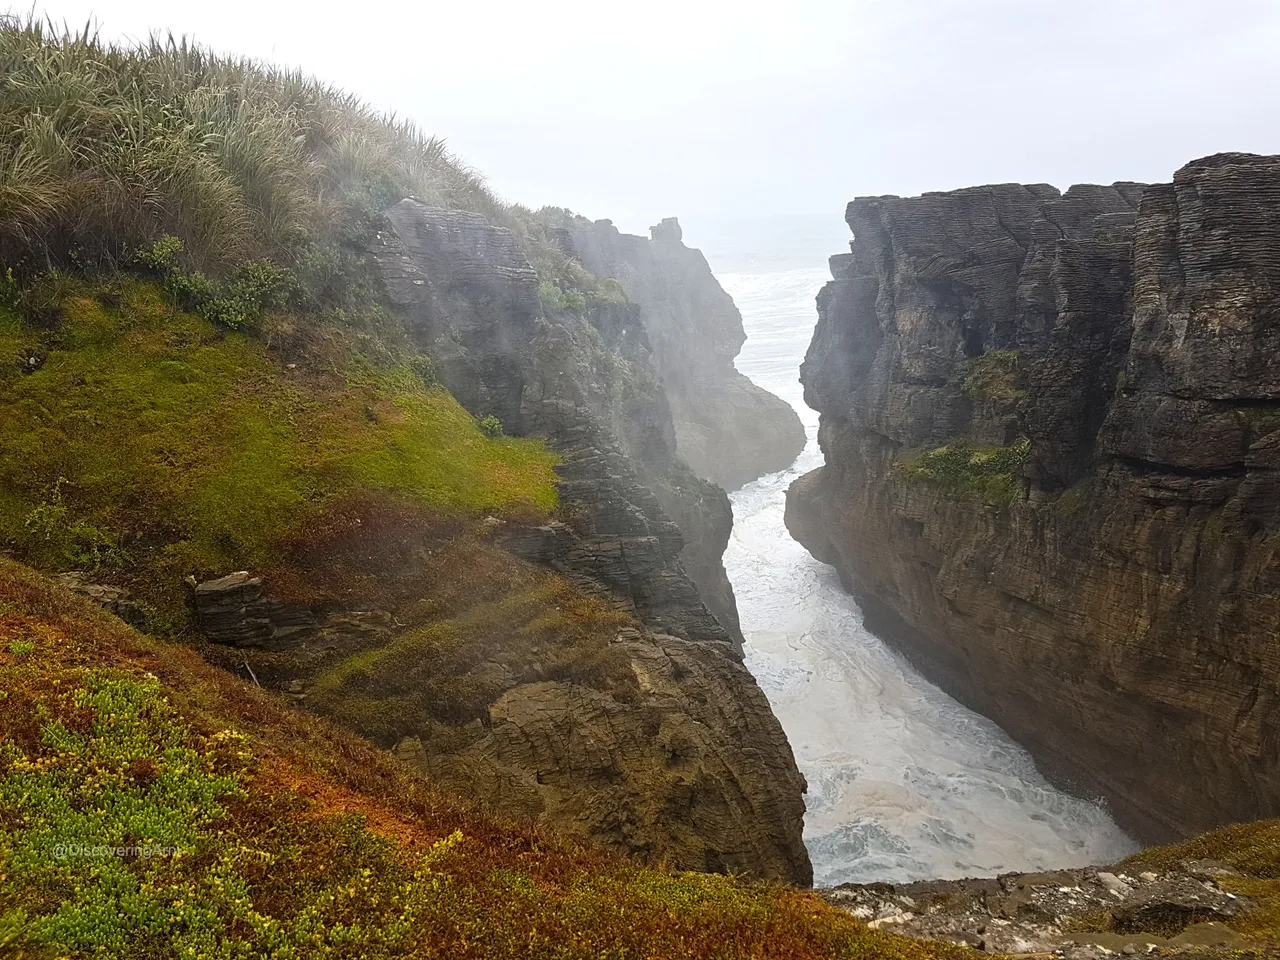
x=195 y=365
x=105 y=149
x=249 y=830
x=146 y=444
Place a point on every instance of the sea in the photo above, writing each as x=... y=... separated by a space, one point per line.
x=904 y=782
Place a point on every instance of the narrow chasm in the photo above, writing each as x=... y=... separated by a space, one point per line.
x=904 y=782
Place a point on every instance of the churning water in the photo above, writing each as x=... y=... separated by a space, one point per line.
x=904 y=783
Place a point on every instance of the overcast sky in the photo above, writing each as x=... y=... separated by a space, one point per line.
x=737 y=114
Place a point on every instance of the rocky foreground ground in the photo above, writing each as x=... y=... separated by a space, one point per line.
x=1080 y=914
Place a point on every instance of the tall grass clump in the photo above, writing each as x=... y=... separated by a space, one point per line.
x=106 y=149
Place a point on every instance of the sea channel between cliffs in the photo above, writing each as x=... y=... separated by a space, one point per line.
x=904 y=782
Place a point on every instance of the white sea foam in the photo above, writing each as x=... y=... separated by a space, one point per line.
x=904 y=783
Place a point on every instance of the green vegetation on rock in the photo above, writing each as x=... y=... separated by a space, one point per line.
x=994 y=473
x=147 y=437
x=993 y=376
x=498 y=624
x=239 y=380
x=1244 y=860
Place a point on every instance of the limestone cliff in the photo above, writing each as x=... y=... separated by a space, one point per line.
x=605 y=700
x=1051 y=426
x=728 y=429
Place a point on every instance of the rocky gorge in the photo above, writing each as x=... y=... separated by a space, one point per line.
x=368 y=565
x=1049 y=423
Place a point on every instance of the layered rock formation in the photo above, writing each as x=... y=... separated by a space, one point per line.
x=654 y=740
x=475 y=307
x=729 y=430
x=1051 y=426
x=695 y=770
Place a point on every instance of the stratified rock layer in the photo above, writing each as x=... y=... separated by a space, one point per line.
x=474 y=302
x=680 y=774
x=729 y=430
x=1114 y=601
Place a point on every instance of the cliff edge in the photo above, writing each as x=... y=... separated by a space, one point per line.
x=1051 y=425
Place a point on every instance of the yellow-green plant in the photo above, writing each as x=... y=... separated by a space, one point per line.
x=994 y=473
x=993 y=376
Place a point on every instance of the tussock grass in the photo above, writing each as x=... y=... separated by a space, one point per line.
x=105 y=149
x=298 y=840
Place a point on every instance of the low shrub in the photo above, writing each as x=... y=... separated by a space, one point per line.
x=994 y=473
x=491 y=426
x=254 y=289
x=55 y=537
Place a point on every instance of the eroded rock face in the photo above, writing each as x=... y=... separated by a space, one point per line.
x=728 y=429
x=657 y=777
x=1113 y=600
x=618 y=540
x=474 y=301
x=236 y=611
x=456 y=274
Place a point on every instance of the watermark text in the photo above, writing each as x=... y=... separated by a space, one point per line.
x=85 y=851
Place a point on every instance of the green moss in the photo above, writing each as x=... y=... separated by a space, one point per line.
x=425 y=445
x=1251 y=848
x=1260 y=420
x=17 y=342
x=1251 y=854
x=1071 y=501
x=148 y=436
x=993 y=376
x=994 y=473
x=1090 y=921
